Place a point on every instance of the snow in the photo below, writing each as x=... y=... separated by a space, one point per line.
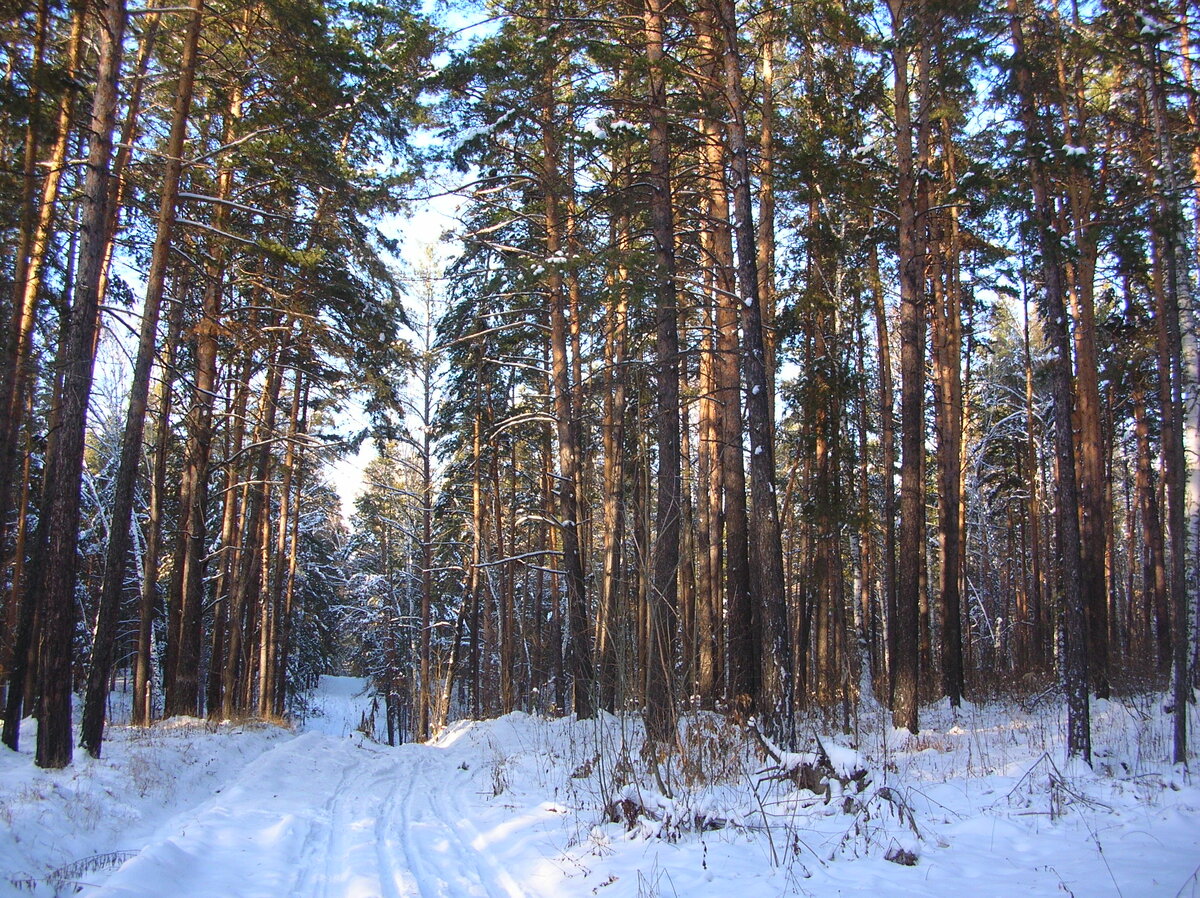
x=981 y=802
x=622 y=125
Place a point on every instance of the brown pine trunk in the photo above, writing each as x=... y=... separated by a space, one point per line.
x=948 y=414
x=1170 y=379
x=25 y=594
x=613 y=444
x=16 y=361
x=775 y=694
x=741 y=645
x=911 y=253
x=282 y=683
x=766 y=201
x=664 y=597
x=709 y=530
x=22 y=613
x=246 y=593
x=1154 y=574
x=1079 y=273
x=28 y=206
x=65 y=464
x=887 y=439
x=1038 y=610
x=142 y=676
x=233 y=499
x=1055 y=322
x=276 y=590
x=579 y=652
x=187 y=584
x=119 y=535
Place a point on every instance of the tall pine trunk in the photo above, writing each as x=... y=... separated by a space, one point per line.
x=911 y=253
x=775 y=694
x=65 y=464
x=1075 y=661
x=567 y=425
x=119 y=536
x=663 y=599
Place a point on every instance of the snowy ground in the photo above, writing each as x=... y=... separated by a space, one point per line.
x=981 y=803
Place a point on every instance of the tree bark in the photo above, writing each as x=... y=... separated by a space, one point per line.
x=741 y=648
x=579 y=641
x=911 y=253
x=947 y=343
x=142 y=676
x=65 y=464
x=119 y=536
x=775 y=695
x=663 y=599
x=613 y=444
x=16 y=361
x=1055 y=322
x=187 y=583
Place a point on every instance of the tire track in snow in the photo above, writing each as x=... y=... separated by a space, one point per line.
x=351 y=860
x=483 y=859
x=320 y=817
x=435 y=840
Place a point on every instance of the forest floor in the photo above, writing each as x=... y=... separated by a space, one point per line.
x=980 y=803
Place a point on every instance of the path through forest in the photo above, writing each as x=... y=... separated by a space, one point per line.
x=326 y=817
x=329 y=814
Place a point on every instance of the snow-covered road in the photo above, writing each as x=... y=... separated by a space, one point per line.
x=522 y=807
x=326 y=817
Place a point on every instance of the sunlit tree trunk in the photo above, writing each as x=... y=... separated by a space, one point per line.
x=946 y=315
x=119 y=535
x=579 y=641
x=186 y=596
x=142 y=676
x=16 y=360
x=65 y=464
x=613 y=443
x=741 y=648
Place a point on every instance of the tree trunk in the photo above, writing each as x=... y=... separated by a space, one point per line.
x=1055 y=322
x=64 y=467
x=579 y=641
x=663 y=599
x=247 y=589
x=119 y=535
x=775 y=696
x=16 y=361
x=613 y=443
x=741 y=646
x=887 y=438
x=911 y=253
x=143 y=677
x=1039 y=613
x=947 y=343
x=187 y=582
